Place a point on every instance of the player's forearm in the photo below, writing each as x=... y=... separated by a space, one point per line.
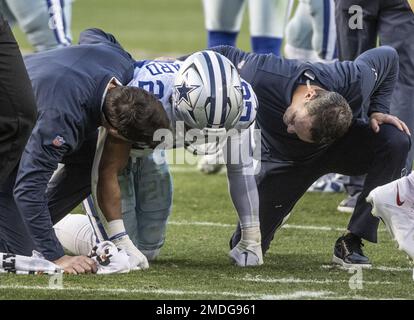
x=241 y=179
x=114 y=158
x=109 y=196
x=244 y=195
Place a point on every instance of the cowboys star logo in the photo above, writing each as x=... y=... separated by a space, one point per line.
x=183 y=90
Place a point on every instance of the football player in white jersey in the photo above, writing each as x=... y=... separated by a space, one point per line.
x=205 y=95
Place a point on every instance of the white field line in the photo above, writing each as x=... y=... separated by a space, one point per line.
x=251 y=295
x=298 y=295
x=180 y=169
x=225 y=225
x=358 y=297
x=286 y=296
x=311 y=281
x=380 y=268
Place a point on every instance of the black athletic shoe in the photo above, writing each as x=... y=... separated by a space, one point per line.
x=348 y=252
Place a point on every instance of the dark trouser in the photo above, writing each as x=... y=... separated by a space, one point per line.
x=67 y=188
x=17 y=103
x=393 y=22
x=381 y=155
x=14 y=237
x=354 y=184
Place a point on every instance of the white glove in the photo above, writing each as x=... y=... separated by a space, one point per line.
x=118 y=235
x=137 y=260
x=248 y=252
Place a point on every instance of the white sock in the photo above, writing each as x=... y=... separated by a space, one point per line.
x=251 y=234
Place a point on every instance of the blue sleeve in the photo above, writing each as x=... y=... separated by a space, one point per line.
x=231 y=53
x=52 y=137
x=96 y=36
x=235 y=55
x=380 y=77
x=246 y=63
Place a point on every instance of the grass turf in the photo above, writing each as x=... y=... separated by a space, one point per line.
x=194 y=265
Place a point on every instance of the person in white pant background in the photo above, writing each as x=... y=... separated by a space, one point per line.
x=311 y=32
x=46 y=23
x=223 y=20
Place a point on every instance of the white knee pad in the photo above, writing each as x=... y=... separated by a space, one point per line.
x=268 y=17
x=151 y=254
x=76 y=235
x=223 y=15
x=292 y=52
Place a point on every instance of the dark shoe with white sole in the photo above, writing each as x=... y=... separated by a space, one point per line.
x=348 y=252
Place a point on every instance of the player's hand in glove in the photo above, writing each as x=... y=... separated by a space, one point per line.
x=137 y=260
x=119 y=237
x=248 y=252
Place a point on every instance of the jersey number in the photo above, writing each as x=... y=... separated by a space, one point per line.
x=157 y=88
x=247 y=104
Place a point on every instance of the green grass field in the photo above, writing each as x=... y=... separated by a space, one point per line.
x=193 y=263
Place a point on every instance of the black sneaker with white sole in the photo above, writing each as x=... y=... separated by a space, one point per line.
x=348 y=252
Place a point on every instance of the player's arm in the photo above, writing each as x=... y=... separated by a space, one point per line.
x=242 y=184
x=114 y=159
x=244 y=194
x=384 y=65
x=50 y=140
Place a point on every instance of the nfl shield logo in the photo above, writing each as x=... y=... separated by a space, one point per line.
x=58 y=141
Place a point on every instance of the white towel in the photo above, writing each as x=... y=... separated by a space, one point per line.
x=110 y=259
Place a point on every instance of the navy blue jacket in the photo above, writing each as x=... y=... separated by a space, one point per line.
x=68 y=84
x=366 y=83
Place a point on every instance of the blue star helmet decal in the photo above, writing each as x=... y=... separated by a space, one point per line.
x=183 y=91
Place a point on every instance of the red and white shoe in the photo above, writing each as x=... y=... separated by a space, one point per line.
x=396 y=211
